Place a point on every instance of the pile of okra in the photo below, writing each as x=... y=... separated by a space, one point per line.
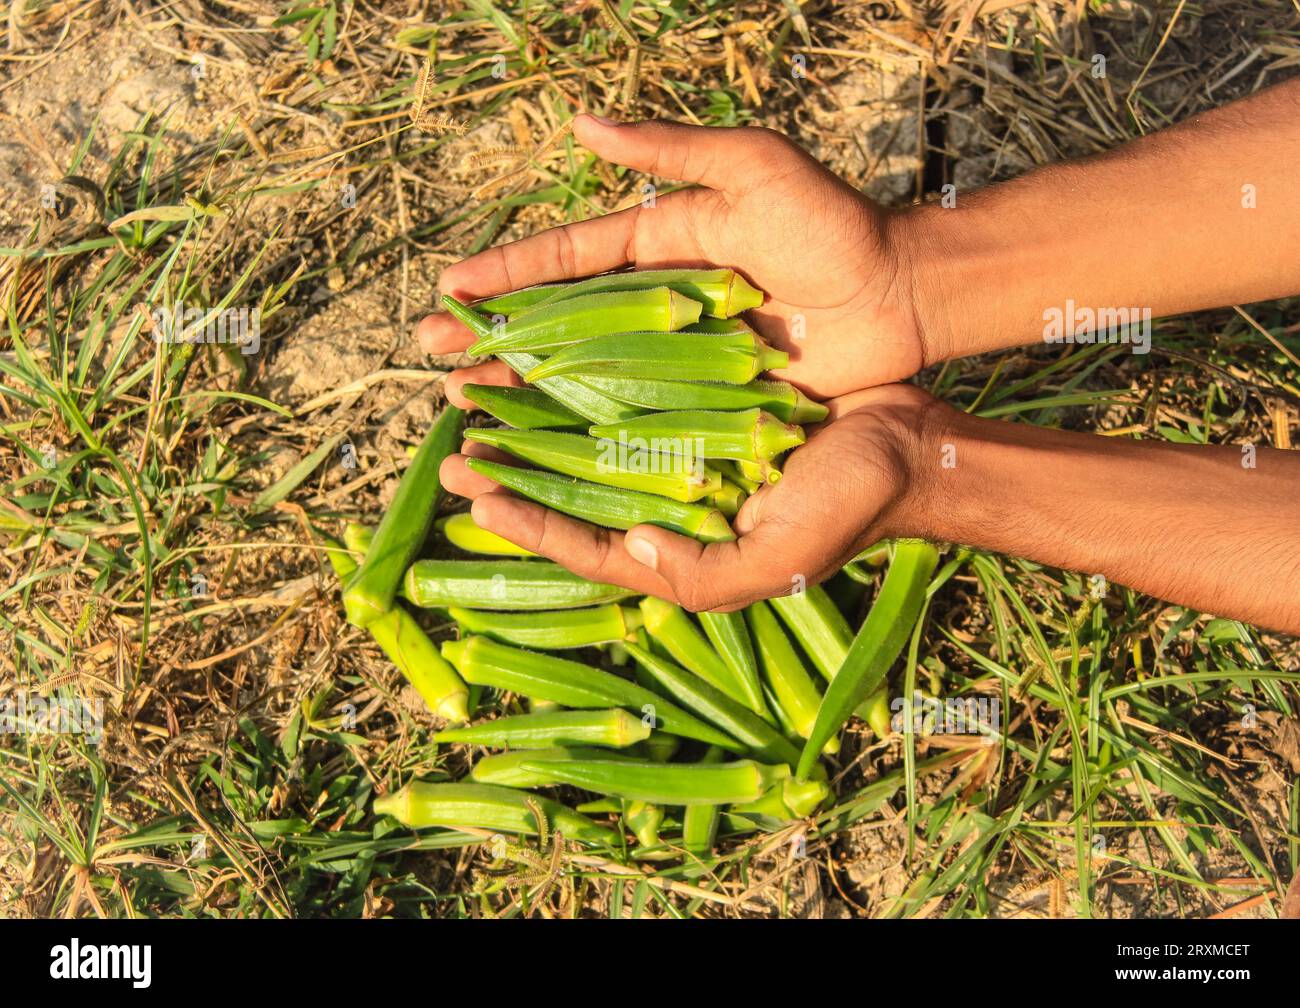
x=645 y=405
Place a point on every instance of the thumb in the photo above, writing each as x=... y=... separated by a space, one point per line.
x=729 y=159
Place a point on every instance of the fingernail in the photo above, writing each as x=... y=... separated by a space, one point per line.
x=601 y=119
x=643 y=552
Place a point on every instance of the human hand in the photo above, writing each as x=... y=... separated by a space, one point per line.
x=838 y=288
x=853 y=483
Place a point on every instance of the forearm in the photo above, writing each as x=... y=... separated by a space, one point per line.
x=1200 y=215
x=1189 y=524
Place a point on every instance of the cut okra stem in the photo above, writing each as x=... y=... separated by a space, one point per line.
x=735 y=358
x=750 y=435
x=730 y=637
x=523 y=408
x=512 y=585
x=729 y=499
x=609 y=507
x=463 y=532
x=667 y=783
x=487 y=807
x=556 y=630
x=781 y=399
x=506 y=768
x=614 y=727
x=405 y=524
x=483 y=662
x=560 y=323
x=722 y=292
x=619 y=464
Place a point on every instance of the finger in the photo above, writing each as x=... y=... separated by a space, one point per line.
x=730 y=160
x=458 y=478
x=491 y=373
x=588 y=550
x=562 y=253
x=441 y=333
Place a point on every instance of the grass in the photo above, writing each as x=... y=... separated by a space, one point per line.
x=157 y=506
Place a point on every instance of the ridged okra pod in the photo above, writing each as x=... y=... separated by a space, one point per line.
x=610 y=507
x=818 y=626
x=583 y=400
x=734 y=358
x=881 y=638
x=631 y=467
x=750 y=435
x=730 y=638
x=721 y=292
x=484 y=662
x=464 y=533
x=668 y=783
x=561 y=323
x=507 y=770
x=405 y=524
x=676 y=633
x=556 y=630
x=523 y=408
x=711 y=703
x=781 y=399
x=792 y=688
x=614 y=727
x=517 y=585
x=700 y=823
x=486 y=807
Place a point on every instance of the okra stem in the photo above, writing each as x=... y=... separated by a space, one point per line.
x=516 y=585
x=610 y=507
x=667 y=783
x=614 y=727
x=700 y=823
x=405 y=524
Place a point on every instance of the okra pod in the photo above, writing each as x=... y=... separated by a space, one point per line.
x=407 y=646
x=882 y=637
x=781 y=399
x=506 y=768
x=523 y=408
x=609 y=463
x=667 y=783
x=358 y=537
x=580 y=398
x=484 y=662
x=487 y=807
x=750 y=435
x=660 y=747
x=730 y=638
x=677 y=634
x=818 y=626
x=551 y=631
x=642 y=820
x=793 y=690
x=610 y=507
x=614 y=727
x=462 y=531
x=734 y=358
x=517 y=585
x=561 y=323
x=405 y=524
x=700 y=823
x=721 y=292
x=711 y=703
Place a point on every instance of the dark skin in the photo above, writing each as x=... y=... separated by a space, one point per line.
x=862 y=297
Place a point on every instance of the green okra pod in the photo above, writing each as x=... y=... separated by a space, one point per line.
x=487 y=807
x=631 y=467
x=523 y=408
x=507 y=770
x=711 y=703
x=700 y=822
x=676 y=633
x=667 y=783
x=781 y=399
x=463 y=532
x=561 y=323
x=730 y=638
x=792 y=688
x=407 y=646
x=583 y=400
x=557 y=630
x=405 y=524
x=818 y=626
x=721 y=292
x=734 y=358
x=513 y=585
x=749 y=435
x=614 y=727
x=877 y=644
x=484 y=662
x=643 y=820
x=610 y=507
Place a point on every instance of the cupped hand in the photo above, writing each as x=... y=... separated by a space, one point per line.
x=854 y=482
x=838 y=288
